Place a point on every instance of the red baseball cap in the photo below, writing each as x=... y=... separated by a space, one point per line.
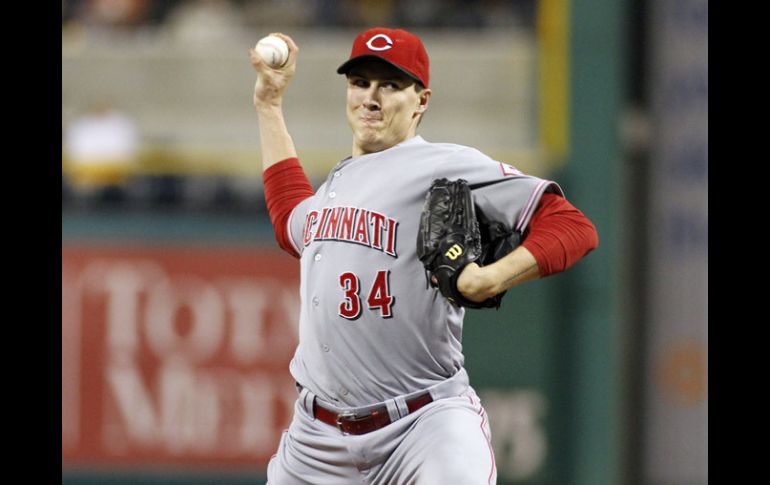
x=397 y=47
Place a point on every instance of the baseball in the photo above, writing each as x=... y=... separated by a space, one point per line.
x=273 y=50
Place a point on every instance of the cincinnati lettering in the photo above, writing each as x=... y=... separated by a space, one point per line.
x=352 y=224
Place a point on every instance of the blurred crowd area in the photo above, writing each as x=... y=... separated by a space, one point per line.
x=106 y=166
x=129 y=15
x=156 y=113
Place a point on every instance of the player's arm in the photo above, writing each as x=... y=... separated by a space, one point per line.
x=286 y=184
x=479 y=283
x=558 y=236
x=275 y=141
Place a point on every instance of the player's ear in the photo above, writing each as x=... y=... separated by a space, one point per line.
x=424 y=95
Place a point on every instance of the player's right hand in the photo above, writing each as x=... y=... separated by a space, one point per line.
x=271 y=82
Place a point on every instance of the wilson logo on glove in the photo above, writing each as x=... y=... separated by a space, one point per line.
x=454 y=252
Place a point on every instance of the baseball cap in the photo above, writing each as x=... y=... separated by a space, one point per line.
x=397 y=47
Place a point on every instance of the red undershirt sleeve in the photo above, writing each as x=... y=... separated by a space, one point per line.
x=559 y=235
x=286 y=185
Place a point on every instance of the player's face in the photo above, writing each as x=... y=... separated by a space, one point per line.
x=383 y=106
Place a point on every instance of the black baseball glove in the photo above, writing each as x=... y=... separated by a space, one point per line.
x=450 y=238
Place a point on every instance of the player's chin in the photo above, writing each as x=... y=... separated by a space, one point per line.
x=377 y=144
x=370 y=138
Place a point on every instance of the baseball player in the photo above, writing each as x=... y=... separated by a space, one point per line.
x=383 y=397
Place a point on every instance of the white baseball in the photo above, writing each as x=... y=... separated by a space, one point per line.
x=273 y=50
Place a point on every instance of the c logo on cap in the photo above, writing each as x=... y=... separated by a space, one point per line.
x=388 y=45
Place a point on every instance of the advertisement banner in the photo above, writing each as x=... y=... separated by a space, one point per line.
x=176 y=356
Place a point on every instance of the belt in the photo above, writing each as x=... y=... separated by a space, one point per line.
x=350 y=423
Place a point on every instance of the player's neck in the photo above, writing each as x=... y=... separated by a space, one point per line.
x=360 y=149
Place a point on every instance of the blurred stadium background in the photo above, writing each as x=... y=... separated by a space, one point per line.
x=179 y=312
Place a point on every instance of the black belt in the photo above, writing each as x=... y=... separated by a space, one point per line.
x=374 y=419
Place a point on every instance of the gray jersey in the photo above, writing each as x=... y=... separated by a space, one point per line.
x=370 y=327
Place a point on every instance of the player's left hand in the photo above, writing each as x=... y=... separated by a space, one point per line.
x=449 y=240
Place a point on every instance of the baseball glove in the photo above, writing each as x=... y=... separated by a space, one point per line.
x=450 y=238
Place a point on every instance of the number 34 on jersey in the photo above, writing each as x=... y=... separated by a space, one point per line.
x=378 y=297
